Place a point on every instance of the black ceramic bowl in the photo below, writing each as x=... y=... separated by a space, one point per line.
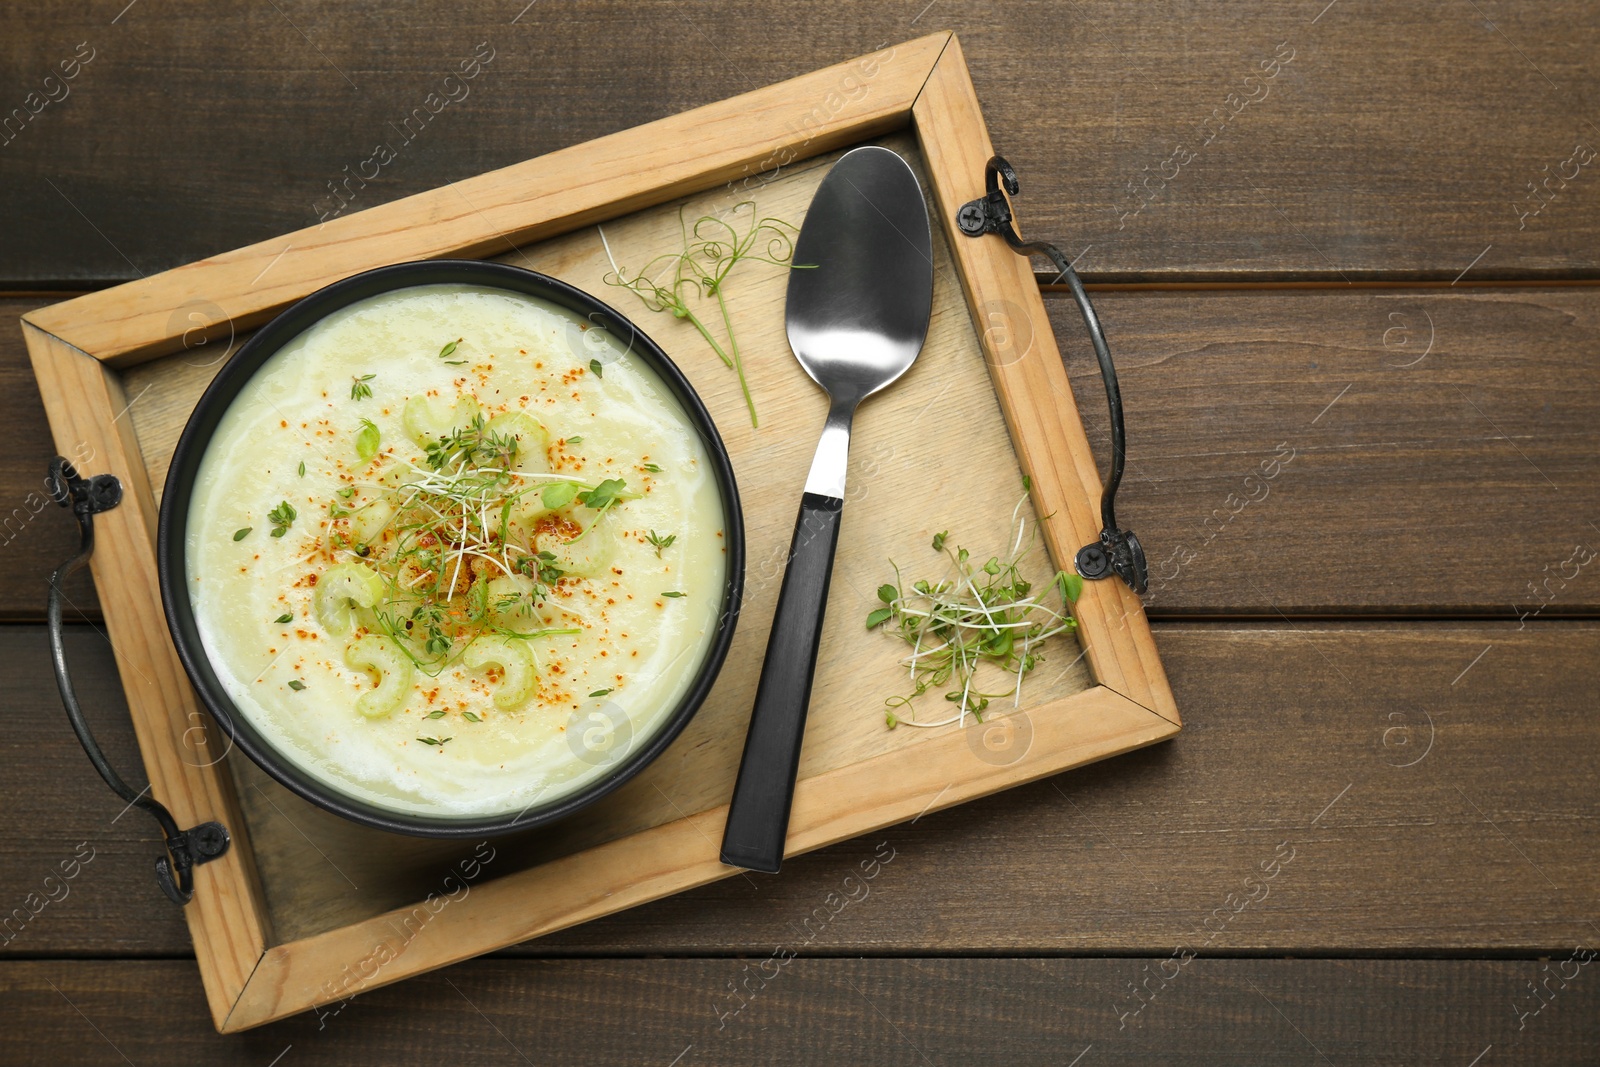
x=196 y=438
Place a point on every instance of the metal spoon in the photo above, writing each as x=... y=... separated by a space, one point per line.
x=856 y=321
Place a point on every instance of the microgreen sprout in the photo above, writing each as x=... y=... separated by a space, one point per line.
x=977 y=614
x=360 y=389
x=603 y=495
x=711 y=248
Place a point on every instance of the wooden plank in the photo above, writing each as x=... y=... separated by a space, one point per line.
x=1135 y=854
x=889 y=1011
x=1396 y=142
x=1469 y=848
x=180 y=752
x=59 y=811
x=1445 y=446
x=1377 y=452
x=503 y=210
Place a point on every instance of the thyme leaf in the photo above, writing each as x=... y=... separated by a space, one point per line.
x=661 y=542
x=282 y=517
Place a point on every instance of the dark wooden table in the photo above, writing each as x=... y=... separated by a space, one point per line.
x=1387 y=665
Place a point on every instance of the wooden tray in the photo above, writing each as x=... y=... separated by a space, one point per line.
x=307 y=909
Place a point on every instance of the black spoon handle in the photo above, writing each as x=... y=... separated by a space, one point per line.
x=758 y=818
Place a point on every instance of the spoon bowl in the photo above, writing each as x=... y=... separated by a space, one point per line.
x=857 y=319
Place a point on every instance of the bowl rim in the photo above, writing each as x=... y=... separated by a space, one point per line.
x=171 y=538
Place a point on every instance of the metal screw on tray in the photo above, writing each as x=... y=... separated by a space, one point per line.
x=856 y=321
x=1118 y=551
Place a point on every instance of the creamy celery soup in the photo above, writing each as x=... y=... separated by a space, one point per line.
x=454 y=552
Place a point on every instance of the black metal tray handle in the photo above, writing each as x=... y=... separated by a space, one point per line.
x=1118 y=551
x=186 y=849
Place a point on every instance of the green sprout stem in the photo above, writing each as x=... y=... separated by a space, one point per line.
x=710 y=250
x=738 y=362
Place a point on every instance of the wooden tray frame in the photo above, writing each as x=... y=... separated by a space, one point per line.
x=79 y=349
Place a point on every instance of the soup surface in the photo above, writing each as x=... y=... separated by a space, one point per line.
x=455 y=552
